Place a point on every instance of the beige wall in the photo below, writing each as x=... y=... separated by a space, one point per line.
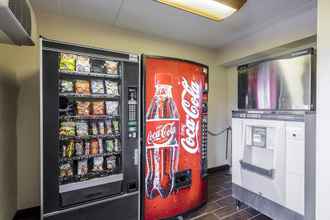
x=104 y=36
x=13 y=60
x=8 y=159
x=232 y=77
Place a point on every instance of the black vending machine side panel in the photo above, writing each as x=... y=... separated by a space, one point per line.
x=131 y=127
x=50 y=129
x=100 y=199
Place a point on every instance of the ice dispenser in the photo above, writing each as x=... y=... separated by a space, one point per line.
x=260 y=158
x=258 y=153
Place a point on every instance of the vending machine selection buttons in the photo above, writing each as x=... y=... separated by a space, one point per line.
x=132 y=112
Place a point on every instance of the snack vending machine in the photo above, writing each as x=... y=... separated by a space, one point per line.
x=89 y=133
x=174 y=149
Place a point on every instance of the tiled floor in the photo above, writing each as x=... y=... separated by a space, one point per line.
x=221 y=205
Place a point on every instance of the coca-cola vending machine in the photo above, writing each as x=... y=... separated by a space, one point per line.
x=174 y=162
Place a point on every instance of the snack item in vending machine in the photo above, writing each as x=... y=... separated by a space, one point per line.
x=67 y=128
x=112 y=107
x=109 y=146
x=66 y=170
x=98 y=164
x=94 y=128
x=97 y=66
x=83 y=108
x=82 y=167
x=111 y=67
x=68 y=62
x=83 y=64
x=82 y=128
x=101 y=127
x=115 y=124
x=116 y=145
x=94 y=146
x=111 y=88
x=79 y=148
x=100 y=141
x=63 y=170
x=66 y=86
x=87 y=148
x=97 y=86
x=98 y=108
x=111 y=163
x=69 y=150
x=82 y=87
x=108 y=125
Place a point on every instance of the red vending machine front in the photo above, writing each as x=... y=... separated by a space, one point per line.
x=175 y=137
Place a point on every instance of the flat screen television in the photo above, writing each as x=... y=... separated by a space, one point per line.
x=284 y=83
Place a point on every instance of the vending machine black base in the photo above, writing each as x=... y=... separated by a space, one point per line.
x=89 y=122
x=104 y=210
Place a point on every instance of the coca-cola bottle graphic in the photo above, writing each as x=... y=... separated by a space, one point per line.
x=162 y=140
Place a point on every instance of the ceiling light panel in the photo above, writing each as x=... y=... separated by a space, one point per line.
x=212 y=9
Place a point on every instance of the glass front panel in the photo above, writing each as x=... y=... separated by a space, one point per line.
x=90 y=121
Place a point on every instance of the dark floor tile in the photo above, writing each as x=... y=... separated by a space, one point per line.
x=225 y=212
x=224 y=193
x=218 y=177
x=222 y=204
x=252 y=211
x=227 y=185
x=227 y=201
x=210 y=207
x=215 y=188
x=213 y=197
x=208 y=217
x=242 y=215
x=193 y=215
x=207 y=209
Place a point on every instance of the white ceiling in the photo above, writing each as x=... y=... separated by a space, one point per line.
x=151 y=17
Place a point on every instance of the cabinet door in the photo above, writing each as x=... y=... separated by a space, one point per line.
x=295 y=170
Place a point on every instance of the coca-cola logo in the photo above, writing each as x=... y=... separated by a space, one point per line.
x=164 y=134
x=190 y=101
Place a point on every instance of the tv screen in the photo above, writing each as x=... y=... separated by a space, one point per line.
x=284 y=83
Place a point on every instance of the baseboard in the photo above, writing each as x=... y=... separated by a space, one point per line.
x=218 y=169
x=26 y=213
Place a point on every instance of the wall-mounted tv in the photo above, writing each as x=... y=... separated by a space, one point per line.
x=283 y=83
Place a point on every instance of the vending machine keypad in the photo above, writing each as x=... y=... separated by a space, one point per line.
x=132 y=112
